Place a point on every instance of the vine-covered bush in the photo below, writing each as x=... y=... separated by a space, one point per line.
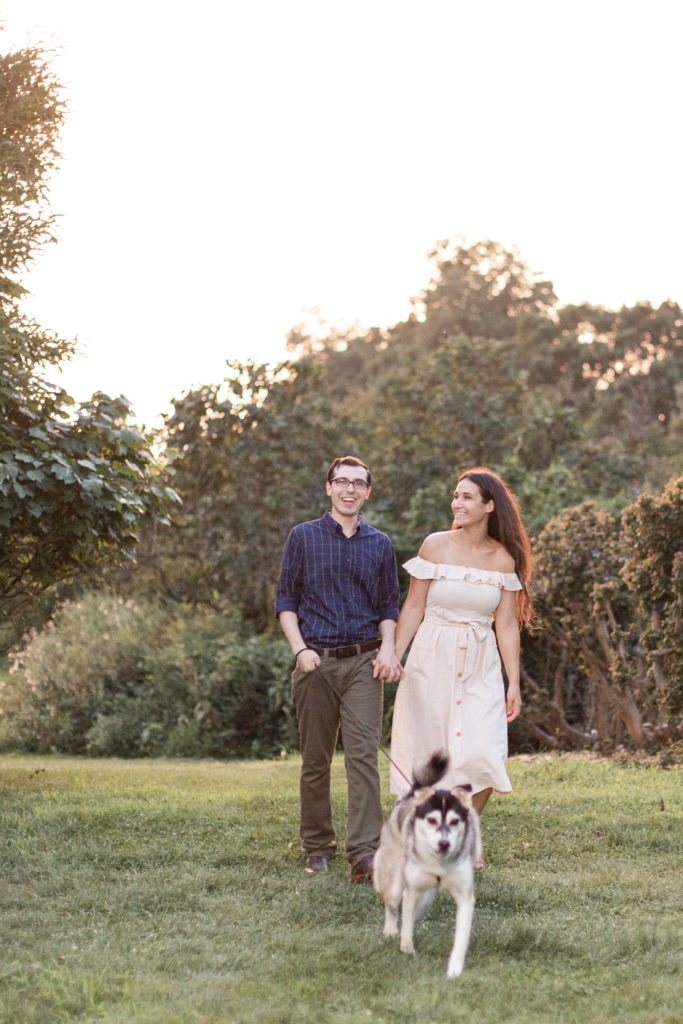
x=606 y=668
x=131 y=678
x=653 y=571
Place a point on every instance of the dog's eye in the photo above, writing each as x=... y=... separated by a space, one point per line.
x=433 y=819
x=452 y=819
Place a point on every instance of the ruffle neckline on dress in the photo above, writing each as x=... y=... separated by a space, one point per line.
x=424 y=570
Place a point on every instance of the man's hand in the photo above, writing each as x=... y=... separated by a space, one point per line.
x=307 y=660
x=387 y=667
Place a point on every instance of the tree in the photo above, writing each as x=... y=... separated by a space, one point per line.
x=431 y=418
x=249 y=459
x=74 y=490
x=32 y=112
x=75 y=482
x=481 y=291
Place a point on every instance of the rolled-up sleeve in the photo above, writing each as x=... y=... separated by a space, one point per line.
x=289 y=584
x=388 y=584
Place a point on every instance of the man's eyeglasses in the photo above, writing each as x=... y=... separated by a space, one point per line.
x=342 y=481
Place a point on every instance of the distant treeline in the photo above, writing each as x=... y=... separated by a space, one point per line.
x=577 y=407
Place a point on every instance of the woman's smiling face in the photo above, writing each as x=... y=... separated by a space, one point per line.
x=468 y=504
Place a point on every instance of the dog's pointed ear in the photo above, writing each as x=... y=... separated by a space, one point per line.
x=464 y=794
x=420 y=795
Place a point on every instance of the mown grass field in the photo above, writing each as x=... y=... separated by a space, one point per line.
x=163 y=892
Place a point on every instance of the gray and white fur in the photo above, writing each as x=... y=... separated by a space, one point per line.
x=431 y=840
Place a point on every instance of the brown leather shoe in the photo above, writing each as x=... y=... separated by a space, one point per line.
x=315 y=863
x=362 y=871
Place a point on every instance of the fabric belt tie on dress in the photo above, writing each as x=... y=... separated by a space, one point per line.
x=477 y=633
x=348 y=651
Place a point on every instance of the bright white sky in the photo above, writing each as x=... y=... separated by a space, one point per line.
x=231 y=165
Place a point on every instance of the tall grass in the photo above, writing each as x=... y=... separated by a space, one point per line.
x=158 y=892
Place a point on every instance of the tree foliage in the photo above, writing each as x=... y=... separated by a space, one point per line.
x=249 y=458
x=653 y=572
x=76 y=482
x=74 y=489
x=481 y=291
x=578 y=407
x=610 y=601
x=32 y=113
x=587 y=613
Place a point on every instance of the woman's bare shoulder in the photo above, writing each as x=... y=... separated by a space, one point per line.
x=502 y=559
x=435 y=546
x=449 y=548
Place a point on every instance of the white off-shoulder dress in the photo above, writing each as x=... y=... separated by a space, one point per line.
x=452 y=694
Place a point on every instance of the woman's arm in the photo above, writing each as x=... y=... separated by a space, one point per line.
x=387 y=666
x=411 y=615
x=507 y=635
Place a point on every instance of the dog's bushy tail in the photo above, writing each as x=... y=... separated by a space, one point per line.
x=429 y=773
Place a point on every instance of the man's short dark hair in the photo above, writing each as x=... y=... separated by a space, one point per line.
x=347 y=460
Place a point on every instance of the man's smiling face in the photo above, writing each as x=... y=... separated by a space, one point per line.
x=348 y=491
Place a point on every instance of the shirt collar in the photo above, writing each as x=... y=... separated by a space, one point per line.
x=334 y=527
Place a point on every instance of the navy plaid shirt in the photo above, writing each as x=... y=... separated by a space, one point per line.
x=340 y=587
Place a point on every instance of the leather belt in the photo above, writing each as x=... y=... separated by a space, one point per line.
x=348 y=651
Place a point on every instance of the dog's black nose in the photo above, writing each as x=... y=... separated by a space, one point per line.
x=444 y=846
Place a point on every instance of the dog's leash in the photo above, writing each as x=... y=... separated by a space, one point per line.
x=352 y=714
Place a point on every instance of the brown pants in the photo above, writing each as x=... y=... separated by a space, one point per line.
x=320 y=714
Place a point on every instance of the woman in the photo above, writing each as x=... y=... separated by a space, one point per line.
x=452 y=693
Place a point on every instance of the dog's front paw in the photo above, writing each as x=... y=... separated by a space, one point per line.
x=390 y=924
x=407 y=946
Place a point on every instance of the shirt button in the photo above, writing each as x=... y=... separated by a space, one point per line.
x=457 y=734
x=458 y=702
x=459 y=675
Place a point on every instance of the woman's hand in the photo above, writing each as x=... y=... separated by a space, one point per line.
x=513 y=703
x=387 y=667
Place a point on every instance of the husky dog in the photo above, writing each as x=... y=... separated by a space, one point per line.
x=430 y=841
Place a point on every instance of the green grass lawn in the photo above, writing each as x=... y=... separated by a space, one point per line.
x=163 y=891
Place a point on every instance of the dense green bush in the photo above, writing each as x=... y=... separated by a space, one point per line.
x=110 y=676
x=606 y=668
x=653 y=572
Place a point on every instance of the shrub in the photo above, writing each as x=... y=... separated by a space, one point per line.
x=133 y=678
x=247 y=707
x=606 y=668
x=653 y=570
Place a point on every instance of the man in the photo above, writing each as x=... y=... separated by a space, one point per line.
x=338 y=590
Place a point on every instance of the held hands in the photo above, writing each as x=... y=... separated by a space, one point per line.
x=387 y=667
x=513 y=703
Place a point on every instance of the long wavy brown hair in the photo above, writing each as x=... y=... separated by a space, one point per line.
x=506 y=526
